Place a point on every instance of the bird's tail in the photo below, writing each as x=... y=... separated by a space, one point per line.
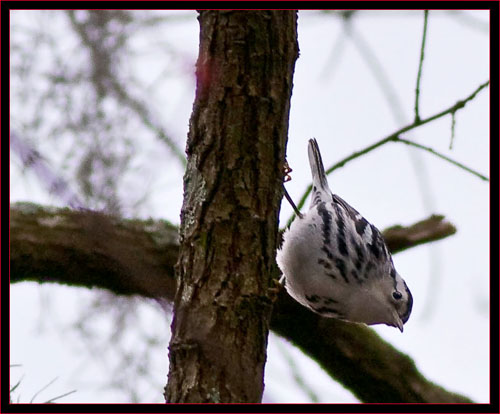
x=317 y=169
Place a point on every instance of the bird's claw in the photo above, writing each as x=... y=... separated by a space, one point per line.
x=287 y=170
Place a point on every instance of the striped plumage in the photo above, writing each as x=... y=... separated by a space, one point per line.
x=337 y=264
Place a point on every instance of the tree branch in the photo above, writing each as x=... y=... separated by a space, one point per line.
x=443 y=157
x=420 y=64
x=393 y=137
x=434 y=228
x=87 y=249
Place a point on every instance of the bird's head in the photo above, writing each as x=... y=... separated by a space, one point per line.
x=384 y=300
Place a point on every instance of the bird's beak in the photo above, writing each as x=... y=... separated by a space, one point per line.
x=397 y=322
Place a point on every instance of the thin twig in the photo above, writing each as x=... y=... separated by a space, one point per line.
x=14 y=387
x=420 y=64
x=379 y=73
x=452 y=109
x=452 y=129
x=297 y=375
x=444 y=157
x=335 y=56
x=395 y=105
x=42 y=389
x=297 y=212
x=59 y=397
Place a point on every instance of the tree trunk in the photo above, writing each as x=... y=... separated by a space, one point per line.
x=232 y=191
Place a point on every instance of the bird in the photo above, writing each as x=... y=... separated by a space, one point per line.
x=337 y=264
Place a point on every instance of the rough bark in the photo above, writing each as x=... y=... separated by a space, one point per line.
x=229 y=220
x=89 y=249
x=85 y=249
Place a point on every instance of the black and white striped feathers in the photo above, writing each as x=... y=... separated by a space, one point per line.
x=337 y=264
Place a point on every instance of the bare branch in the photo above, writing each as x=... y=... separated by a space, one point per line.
x=420 y=64
x=452 y=129
x=42 y=389
x=89 y=249
x=434 y=228
x=394 y=137
x=444 y=157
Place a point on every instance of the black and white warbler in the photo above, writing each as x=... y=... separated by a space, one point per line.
x=337 y=264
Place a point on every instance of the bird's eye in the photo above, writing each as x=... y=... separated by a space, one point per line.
x=397 y=295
